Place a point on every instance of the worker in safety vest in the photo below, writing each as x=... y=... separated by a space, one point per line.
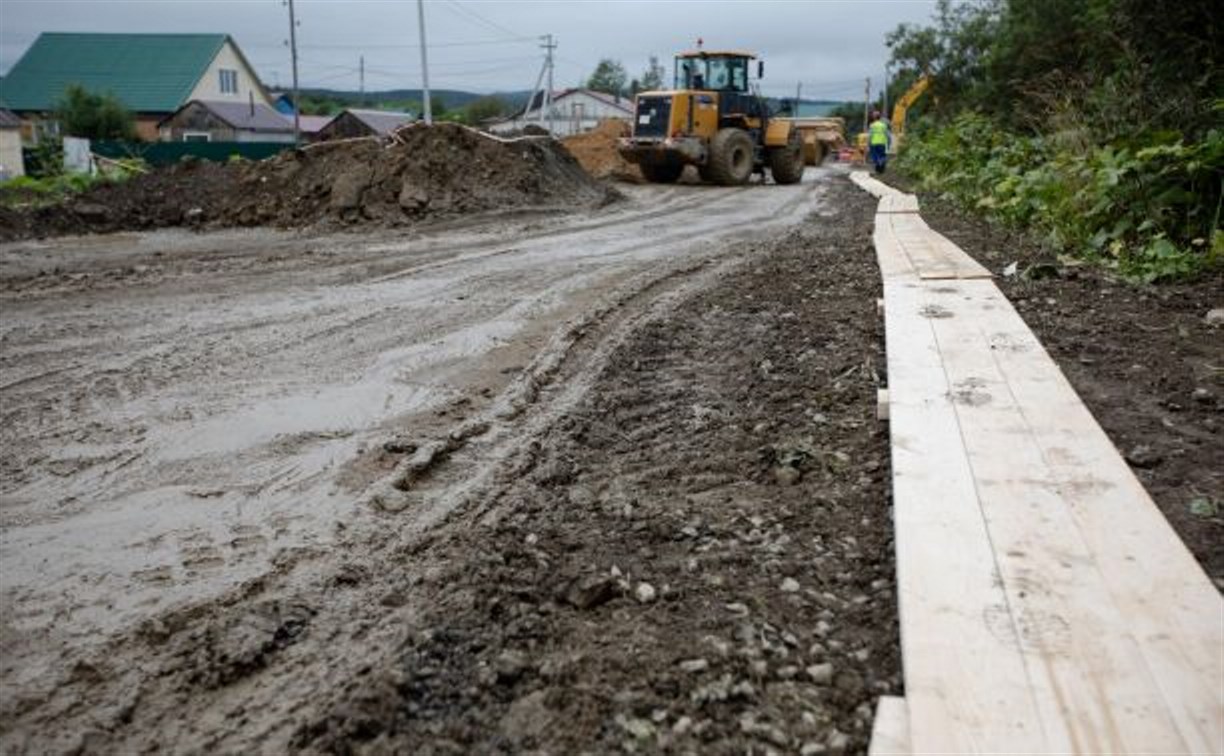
x=878 y=140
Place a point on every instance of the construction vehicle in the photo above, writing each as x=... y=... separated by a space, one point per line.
x=714 y=120
x=904 y=103
x=821 y=137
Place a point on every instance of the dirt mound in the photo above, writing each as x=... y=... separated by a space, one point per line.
x=596 y=151
x=424 y=171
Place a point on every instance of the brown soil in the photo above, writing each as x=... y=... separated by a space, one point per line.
x=693 y=545
x=687 y=548
x=596 y=151
x=1143 y=358
x=443 y=170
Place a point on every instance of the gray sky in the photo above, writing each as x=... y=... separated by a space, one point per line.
x=489 y=45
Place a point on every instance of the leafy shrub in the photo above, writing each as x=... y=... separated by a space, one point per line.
x=1147 y=206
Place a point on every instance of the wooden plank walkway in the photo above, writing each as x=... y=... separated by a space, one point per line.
x=1046 y=605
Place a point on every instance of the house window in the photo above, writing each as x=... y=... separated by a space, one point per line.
x=197 y=136
x=229 y=81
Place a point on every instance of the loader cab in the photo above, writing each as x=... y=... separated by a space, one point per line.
x=726 y=76
x=717 y=71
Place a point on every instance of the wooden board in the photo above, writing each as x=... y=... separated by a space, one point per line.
x=1046 y=605
x=966 y=679
x=890 y=729
x=1135 y=661
x=926 y=254
x=870 y=185
x=898 y=203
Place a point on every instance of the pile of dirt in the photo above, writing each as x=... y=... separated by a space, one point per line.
x=596 y=151
x=424 y=171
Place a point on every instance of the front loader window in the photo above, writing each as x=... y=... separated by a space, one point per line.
x=726 y=74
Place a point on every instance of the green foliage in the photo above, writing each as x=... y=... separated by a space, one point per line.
x=652 y=78
x=93 y=116
x=1149 y=208
x=609 y=77
x=27 y=191
x=1097 y=122
x=484 y=109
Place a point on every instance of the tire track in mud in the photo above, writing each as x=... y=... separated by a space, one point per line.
x=498 y=248
x=199 y=662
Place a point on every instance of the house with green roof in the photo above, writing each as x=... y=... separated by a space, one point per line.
x=153 y=75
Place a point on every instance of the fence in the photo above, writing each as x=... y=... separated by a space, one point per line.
x=165 y=153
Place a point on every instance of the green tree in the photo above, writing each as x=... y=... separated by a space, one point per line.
x=653 y=77
x=609 y=77
x=485 y=108
x=93 y=116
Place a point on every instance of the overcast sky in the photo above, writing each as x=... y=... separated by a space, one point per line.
x=490 y=45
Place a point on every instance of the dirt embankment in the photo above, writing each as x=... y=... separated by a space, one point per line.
x=1144 y=359
x=596 y=151
x=423 y=172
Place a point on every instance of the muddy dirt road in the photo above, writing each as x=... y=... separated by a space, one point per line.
x=212 y=442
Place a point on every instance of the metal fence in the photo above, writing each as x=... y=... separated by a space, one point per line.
x=165 y=153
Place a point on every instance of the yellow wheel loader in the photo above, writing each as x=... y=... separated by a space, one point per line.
x=714 y=120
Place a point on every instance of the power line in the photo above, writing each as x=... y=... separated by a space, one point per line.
x=471 y=14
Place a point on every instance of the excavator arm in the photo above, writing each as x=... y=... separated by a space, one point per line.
x=903 y=105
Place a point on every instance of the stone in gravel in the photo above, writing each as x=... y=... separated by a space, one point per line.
x=849 y=682
x=682 y=725
x=1144 y=456
x=821 y=674
x=645 y=593
x=527 y=718
x=838 y=743
x=641 y=729
x=789 y=585
x=787 y=475
x=592 y=592
x=749 y=726
x=1214 y=317
x=1202 y=395
x=694 y=665
x=510 y=666
x=813 y=749
x=787 y=672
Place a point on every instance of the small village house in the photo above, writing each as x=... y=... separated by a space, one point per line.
x=211 y=121
x=153 y=75
x=573 y=112
x=12 y=163
x=354 y=122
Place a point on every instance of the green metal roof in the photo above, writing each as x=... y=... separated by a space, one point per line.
x=147 y=72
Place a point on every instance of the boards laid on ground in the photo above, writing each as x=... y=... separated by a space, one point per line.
x=1046 y=605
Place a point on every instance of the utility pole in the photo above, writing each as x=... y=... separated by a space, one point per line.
x=866 y=105
x=297 y=108
x=424 y=64
x=549 y=46
x=798 y=94
x=361 y=75
x=884 y=93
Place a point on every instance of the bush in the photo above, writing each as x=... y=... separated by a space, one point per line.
x=94 y=116
x=1148 y=207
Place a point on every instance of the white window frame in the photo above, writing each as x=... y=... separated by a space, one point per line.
x=230 y=76
x=194 y=136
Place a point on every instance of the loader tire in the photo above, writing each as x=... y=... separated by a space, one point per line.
x=786 y=164
x=662 y=173
x=731 y=158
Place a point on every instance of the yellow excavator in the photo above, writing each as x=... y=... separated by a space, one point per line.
x=714 y=120
x=904 y=103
